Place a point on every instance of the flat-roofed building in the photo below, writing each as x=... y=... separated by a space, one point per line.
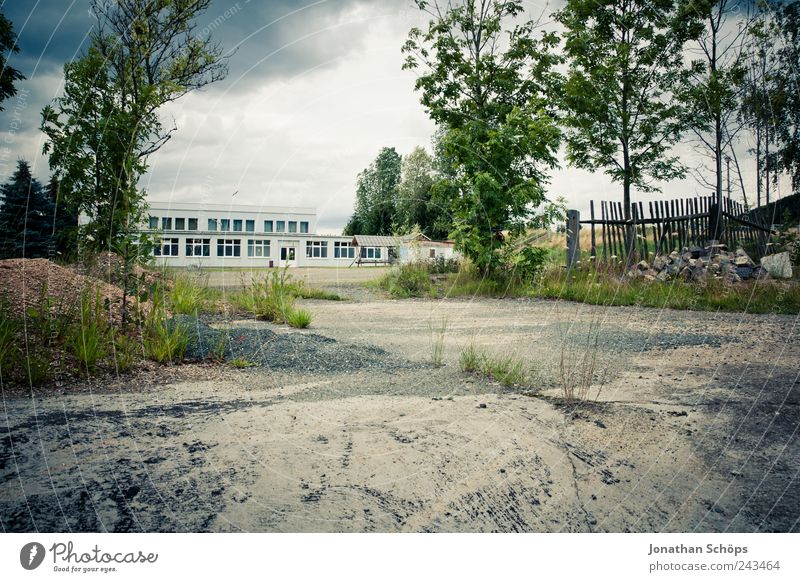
x=225 y=235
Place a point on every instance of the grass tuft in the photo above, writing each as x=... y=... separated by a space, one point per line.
x=299 y=318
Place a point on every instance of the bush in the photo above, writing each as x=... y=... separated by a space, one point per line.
x=300 y=318
x=408 y=280
x=37 y=367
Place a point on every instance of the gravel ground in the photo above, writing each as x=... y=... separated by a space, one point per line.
x=347 y=427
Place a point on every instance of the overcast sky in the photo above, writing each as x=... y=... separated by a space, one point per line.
x=315 y=89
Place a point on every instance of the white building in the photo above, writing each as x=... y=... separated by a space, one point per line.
x=223 y=235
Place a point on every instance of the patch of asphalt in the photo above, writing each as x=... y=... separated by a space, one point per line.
x=617 y=339
x=281 y=349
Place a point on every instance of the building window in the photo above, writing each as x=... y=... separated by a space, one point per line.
x=227 y=247
x=267 y=226
x=198 y=247
x=317 y=249
x=237 y=225
x=304 y=227
x=153 y=222
x=166 y=247
x=192 y=224
x=433 y=253
x=343 y=250
x=166 y=223
x=370 y=252
x=250 y=226
x=212 y=224
x=292 y=226
x=280 y=226
x=180 y=224
x=225 y=224
x=257 y=248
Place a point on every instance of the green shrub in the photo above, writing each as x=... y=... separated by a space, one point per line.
x=219 y=349
x=88 y=338
x=299 y=318
x=408 y=280
x=270 y=298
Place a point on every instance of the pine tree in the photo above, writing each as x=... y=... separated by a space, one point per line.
x=26 y=217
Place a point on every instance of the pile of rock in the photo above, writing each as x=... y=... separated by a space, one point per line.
x=698 y=264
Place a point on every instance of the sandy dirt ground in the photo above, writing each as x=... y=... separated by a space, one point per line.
x=693 y=427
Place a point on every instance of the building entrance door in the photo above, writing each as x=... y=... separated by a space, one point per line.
x=288 y=256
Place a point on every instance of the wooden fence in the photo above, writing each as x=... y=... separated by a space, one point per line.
x=668 y=225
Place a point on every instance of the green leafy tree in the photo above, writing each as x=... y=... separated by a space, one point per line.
x=26 y=217
x=714 y=84
x=625 y=59
x=93 y=144
x=8 y=75
x=65 y=221
x=416 y=208
x=483 y=79
x=376 y=195
x=786 y=93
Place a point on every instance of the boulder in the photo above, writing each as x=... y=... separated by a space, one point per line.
x=742 y=259
x=698 y=252
x=778 y=265
x=643 y=265
x=660 y=262
x=745 y=272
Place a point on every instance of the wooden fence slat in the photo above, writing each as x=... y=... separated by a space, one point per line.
x=593 y=252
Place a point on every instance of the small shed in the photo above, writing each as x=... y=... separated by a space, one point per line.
x=376 y=250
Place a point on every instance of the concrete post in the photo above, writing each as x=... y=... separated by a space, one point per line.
x=573 y=237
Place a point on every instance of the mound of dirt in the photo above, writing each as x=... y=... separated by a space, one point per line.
x=22 y=282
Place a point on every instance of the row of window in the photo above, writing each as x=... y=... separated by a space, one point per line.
x=228 y=225
x=201 y=247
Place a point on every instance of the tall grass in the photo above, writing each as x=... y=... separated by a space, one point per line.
x=300 y=318
x=164 y=340
x=188 y=295
x=89 y=337
x=437 y=342
x=9 y=331
x=268 y=297
x=508 y=369
x=578 y=365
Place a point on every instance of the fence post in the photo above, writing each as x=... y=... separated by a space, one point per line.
x=573 y=237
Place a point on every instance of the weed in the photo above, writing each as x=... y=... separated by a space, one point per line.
x=241 y=363
x=37 y=367
x=470 y=359
x=299 y=318
x=302 y=291
x=217 y=351
x=437 y=342
x=507 y=369
x=577 y=367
